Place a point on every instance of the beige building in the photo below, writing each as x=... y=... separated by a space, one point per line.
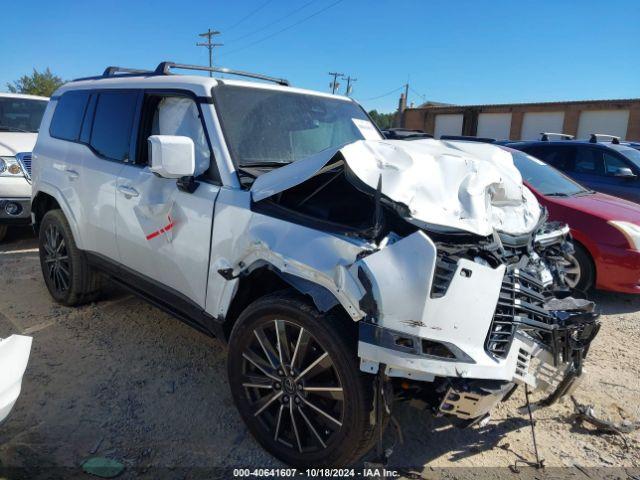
x=525 y=121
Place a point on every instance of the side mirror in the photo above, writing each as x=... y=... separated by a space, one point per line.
x=172 y=156
x=624 y=172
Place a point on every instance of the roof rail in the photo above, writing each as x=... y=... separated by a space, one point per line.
x=544 y=136
x=164 y=68
x=467 y=138
x=594 y=138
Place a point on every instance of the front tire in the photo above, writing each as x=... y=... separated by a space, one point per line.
x=3 y=232
x=67 y=274
x=295 y=380
x=580 y=272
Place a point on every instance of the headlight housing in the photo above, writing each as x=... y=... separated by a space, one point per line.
x=10 y=167
x=630 y=230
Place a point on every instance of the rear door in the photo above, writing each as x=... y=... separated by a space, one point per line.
x=108 y=137
x=164 y=232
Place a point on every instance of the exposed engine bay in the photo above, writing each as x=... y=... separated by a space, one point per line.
x=441 y=254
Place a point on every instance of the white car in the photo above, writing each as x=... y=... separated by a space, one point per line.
x=20 y=117
x=14 y=355
x=344 y=270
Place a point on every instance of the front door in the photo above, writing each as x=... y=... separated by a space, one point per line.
x=163 y=232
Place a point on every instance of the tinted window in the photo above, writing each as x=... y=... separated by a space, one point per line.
x=613 y=163
x=589 y=160
x=559 y=157
x=67 y=117
x=113 y=120
x=21 y=114
x=544 y=178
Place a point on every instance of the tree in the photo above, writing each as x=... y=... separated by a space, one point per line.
x=383 y=120
x=38 y=83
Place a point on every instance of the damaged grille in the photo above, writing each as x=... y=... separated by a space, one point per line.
x=445 y=269
x=520 y=302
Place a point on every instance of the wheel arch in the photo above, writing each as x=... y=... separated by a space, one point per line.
x=264 y=279
x=590 y=257
x=48 y=198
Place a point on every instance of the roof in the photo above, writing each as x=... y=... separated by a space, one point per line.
x=433 y=105
x=199 y=84
x=23 y=95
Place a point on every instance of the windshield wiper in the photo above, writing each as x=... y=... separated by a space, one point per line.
x=266 y=164
x=557 y=194
x=13 y=129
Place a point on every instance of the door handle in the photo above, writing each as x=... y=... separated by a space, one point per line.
x=128 y=191
x=72 y=174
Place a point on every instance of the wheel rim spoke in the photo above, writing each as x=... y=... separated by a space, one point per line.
x=317 y=362
x=301 y=347
x=267 y=348
x=312 y=428
x=334 y=393
x=295 y=427
x=283 y=343
x=321 y=412
x=275 y=435
x=265 y=402
x=250 y=356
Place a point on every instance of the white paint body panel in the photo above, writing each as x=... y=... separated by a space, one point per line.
x=534 y=123
x=14 y=356
x=608 y=122
x=494 y=125
x=448 y=124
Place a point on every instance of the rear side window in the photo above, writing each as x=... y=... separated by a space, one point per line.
x=67 y=118
x=112 y=124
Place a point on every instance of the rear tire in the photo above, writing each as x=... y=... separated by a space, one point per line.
x=305 y=416
x=67 y=274
x=3 y=231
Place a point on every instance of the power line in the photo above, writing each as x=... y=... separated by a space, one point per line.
x=250 y=14
x=308 y=17
x=383 y=95
x=264 y=27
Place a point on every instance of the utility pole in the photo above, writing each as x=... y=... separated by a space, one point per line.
x=334 y=83
x=350 y=81
x=406 y=93
x=209 y=34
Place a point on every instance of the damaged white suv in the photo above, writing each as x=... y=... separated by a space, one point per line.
x=344 y=270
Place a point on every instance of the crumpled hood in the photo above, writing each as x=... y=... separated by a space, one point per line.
x=454 y=185
x=16 y=142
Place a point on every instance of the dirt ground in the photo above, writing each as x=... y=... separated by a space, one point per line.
x=121 y=379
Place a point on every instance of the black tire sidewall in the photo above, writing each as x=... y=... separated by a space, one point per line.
x=587 y=271
x=56 y=218
x=338 y=450
x=3 y=231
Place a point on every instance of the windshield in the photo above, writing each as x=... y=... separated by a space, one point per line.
x=544 y=178
x=21 y=114
x=267 y=127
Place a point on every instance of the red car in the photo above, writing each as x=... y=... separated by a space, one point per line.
x=606 y=229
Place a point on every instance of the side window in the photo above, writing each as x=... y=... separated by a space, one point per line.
x=68 y=115
x=589 y=160
x=613 y=164
x=558 y=157
x=112 y=124
x=178 y=115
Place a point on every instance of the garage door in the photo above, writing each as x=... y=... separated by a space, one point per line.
x=448 y=124
x=534 y=123
x=494 y=125
x=609 y=122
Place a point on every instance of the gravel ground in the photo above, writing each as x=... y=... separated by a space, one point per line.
x=121 y=379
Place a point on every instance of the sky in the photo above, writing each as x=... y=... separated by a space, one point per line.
x=461 y=52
